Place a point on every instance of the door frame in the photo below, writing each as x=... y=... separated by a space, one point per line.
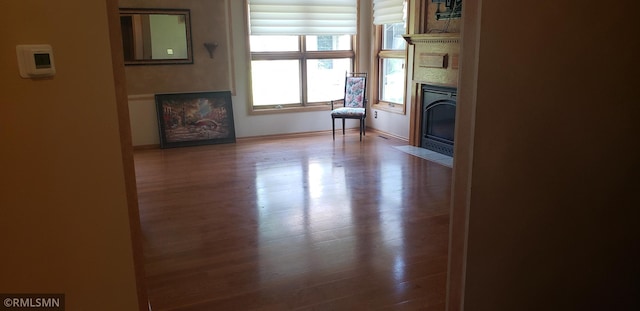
x=126 y=146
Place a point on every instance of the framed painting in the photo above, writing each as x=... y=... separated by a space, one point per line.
x=190 y=119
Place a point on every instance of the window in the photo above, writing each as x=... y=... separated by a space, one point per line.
x=390 y=57
x=296 y=71
x=391 y=64
x=298 y=63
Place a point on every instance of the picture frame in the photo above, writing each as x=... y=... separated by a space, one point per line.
x=192 y=119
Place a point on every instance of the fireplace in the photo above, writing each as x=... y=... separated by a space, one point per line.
x=438 y=118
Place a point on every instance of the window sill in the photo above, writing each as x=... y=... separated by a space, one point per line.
x=265 y=111
x=389 y=107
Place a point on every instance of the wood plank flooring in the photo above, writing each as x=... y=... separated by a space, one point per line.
x=294 y=223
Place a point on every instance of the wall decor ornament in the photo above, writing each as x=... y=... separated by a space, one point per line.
x=452 y=9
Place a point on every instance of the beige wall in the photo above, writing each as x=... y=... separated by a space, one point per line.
x=209 y=20
x=549 y=178
x=64 y=226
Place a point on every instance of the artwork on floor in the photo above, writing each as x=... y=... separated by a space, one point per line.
x=190 y=119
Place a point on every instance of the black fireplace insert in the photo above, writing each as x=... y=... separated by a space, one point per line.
x=438 y=118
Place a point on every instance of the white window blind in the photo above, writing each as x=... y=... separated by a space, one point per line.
x=388 y=11
x=303 y=17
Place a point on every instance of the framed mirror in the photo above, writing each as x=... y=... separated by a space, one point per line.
x=156 y=36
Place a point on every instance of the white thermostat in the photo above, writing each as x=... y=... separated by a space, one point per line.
x=35 y=61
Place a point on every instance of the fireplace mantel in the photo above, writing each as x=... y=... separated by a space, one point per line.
x=435 y=58
x=427 y=38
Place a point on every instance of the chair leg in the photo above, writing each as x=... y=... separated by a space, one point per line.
x=364 y=128
x=333 y=127
x=343 y=126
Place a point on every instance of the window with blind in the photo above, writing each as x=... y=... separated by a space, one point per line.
x=389 y=20
x=300 y=62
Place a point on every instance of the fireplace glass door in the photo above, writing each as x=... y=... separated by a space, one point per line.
x=438 y=122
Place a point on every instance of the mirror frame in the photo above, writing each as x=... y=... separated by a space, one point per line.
x=186 y=13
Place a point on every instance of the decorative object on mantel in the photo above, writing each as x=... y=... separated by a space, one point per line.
x=190 y=119
x=453 y=9
x=211 y=47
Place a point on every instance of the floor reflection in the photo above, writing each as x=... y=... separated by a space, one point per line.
x=300 y=205
x=306 y=208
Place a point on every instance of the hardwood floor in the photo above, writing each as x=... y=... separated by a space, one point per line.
x=294 y=223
